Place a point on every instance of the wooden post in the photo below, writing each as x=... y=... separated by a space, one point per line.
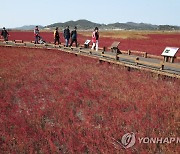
x=100 y=61
x=116 y=58
x=104 y=49
x=128 y=69
x=102 y=53
x=129 y=52
x=145 y=55
x=137 y=59
x=172 y=60
x=166 y=59
x=162 y=66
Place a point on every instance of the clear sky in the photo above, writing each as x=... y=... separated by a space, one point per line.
x=15 y=13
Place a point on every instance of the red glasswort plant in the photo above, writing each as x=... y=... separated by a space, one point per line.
x=152 y=43
x=53 y=102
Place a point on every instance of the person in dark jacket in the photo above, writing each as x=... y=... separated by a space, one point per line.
x=74 y=36
x=36 y=35
x=56 y=36
x=4 y=34
x=67 y=35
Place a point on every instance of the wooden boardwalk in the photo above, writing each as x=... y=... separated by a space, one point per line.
x=130 y=61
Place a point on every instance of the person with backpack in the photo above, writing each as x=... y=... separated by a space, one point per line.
x=95 y=39
x=37 y=35
x=74 y=37
x=4 y=34
x=67 y=36
x=56 y=36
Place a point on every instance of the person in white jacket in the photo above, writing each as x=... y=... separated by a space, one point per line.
x=95 y=39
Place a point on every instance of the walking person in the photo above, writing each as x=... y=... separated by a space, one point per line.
x=56 y=36
x=37 y=35
x=67 y=35
x=4 y=34
x=95 y=39
x=74 y=37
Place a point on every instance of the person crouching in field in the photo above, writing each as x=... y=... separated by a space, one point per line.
x=37 y=35
x=74 y=37
x=95 y=39
x=67 y=35
x=56 y=36
x=5 y=34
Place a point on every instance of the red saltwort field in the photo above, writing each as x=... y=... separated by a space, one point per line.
x=53 y=102
x=150 y=42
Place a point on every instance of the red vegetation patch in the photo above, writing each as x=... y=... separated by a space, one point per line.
x=54 y=102
x=154 y=44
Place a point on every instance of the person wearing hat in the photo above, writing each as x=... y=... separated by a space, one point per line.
x=56 y=36
x=5 y=34
x=37 y=35
x=95 y=39
x=74 y=36
x=67 y=35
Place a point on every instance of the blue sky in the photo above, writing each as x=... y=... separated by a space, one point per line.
x=15 y=13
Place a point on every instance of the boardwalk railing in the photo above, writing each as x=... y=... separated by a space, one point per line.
x=127 y=58
x=129 y=52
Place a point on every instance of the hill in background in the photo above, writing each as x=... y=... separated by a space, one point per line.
x=88 y=25
x=29 y=27
x=81 y=24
